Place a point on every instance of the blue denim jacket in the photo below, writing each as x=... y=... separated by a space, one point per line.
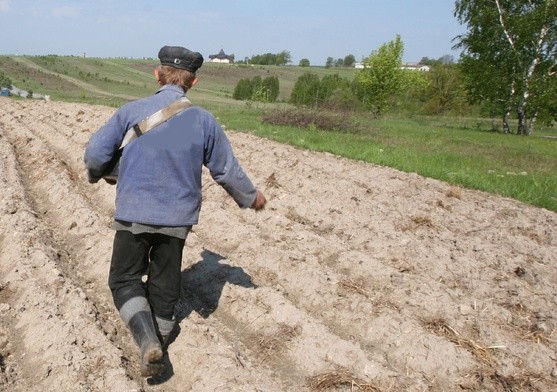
x=159 y=180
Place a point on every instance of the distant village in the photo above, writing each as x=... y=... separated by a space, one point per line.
x=223 y=58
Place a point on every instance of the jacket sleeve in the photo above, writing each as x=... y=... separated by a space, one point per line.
x=102 y=147
x=225 y=168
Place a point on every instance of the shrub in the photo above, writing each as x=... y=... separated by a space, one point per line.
x=243 y=90
x=326 y=121
x=5 y=81
x=306 y=90
x=311 y=92
x=256 y=89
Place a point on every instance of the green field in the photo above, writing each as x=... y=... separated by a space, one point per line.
x=462 y=151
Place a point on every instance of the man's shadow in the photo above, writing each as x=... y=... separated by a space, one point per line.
x=202 y=285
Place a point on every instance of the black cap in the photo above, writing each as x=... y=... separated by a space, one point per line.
x=181 y=58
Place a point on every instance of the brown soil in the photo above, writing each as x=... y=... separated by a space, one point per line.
x=356 y=277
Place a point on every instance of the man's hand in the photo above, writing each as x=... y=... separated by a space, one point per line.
x=259 y=202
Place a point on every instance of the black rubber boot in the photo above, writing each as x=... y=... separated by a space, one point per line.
x=143 y=330
x=164 y=341
x=165 y=328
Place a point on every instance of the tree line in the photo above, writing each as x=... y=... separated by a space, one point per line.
x=380 y=87
x=507 y=69
x=383 y=85
x=281 y=58
x=284 y=58
x=348 y=61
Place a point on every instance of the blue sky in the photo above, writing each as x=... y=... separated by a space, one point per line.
x=306 y=28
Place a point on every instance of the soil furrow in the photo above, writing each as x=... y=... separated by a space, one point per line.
x=44 y=299
x=80 y=230
x=356 y=275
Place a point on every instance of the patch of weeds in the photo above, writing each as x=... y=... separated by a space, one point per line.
x=312 y=119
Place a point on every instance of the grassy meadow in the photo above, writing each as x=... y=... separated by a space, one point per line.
x=462 y=151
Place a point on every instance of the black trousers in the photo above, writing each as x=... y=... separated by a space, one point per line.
x=157 y=256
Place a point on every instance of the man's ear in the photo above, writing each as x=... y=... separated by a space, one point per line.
x=194 y=82
x=156 y=72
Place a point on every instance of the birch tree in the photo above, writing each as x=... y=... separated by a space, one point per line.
x=382 y=79
x=509 y=58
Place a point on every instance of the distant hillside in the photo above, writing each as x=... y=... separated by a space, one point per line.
x=115 y=81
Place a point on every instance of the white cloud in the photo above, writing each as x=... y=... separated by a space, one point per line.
x=4 y=5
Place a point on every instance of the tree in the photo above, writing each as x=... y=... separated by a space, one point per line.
x=311 y=92
x=257 y=89
x=243 y=90
x=430 y=62
x=256 y=83
x=349 y=60
x=263 y=59
x=509 y=60
x=329 y=62
x=329 y=84
x=304 y=62
x=283 y=58
x=270 y=86
x=306 y=90
x=443 y=91
x=447 y=59
x=382 y=79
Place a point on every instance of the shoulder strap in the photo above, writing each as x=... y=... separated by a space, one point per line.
x=155 y=119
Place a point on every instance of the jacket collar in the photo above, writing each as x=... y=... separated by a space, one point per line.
x=172 y=87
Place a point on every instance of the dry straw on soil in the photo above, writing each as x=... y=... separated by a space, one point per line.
x=340 y=378
x=442 y=328
x=353 y=286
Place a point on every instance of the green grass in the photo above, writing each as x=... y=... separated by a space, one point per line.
x=462 y=151
x=523 y=168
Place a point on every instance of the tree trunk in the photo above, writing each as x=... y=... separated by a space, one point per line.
x=533 y=121
x=508 y=109
x=506 y=127
x=522 y=121
x=523 y=128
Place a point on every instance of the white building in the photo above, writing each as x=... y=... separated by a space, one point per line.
x=415 y=67
x=221 y=57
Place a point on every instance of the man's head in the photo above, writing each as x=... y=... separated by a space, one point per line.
x=181 y=58
x=178 y=66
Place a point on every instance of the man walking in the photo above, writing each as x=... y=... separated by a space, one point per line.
x=158 y=198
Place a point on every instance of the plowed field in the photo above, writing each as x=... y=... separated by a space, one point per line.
x=355 y=277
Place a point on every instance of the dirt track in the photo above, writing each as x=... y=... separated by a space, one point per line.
x=355 y=275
